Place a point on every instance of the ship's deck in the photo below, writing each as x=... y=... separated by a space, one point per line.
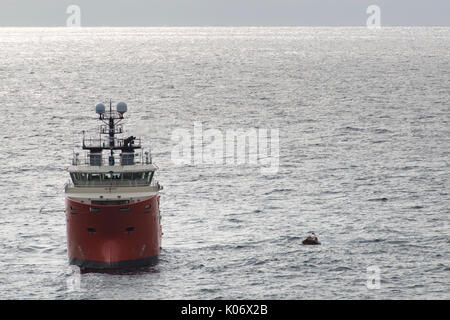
x=115 y=168
x=109 y=193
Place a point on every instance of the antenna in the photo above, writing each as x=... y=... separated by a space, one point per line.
x=73 y=139
x=111 y=134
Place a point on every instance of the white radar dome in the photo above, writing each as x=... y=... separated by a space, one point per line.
x=121 y=107
x=100 y=108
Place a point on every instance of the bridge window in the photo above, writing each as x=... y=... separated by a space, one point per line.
x=107 y=176
x=114 y=178
x=127 y=176
x=94 y=176
x=150 y=176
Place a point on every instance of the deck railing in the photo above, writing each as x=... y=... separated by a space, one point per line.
x=112 y=184
x=104 y=142
x=120 y=159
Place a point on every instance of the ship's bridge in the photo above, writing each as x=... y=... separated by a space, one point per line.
x=102 y=166
x=91 y=176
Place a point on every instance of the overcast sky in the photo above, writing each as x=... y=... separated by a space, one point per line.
x=224 y=12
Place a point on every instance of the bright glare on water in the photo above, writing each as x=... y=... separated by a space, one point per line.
x=363 y=120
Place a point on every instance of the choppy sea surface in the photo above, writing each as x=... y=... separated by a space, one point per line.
x=364 y=149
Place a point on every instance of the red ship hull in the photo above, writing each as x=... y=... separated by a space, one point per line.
x=113 y=236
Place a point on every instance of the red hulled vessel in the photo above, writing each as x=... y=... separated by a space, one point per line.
x=112 y=200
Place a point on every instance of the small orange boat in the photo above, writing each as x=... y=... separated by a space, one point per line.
x=311 y=240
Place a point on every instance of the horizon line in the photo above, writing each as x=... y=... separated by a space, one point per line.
x=217 y=26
